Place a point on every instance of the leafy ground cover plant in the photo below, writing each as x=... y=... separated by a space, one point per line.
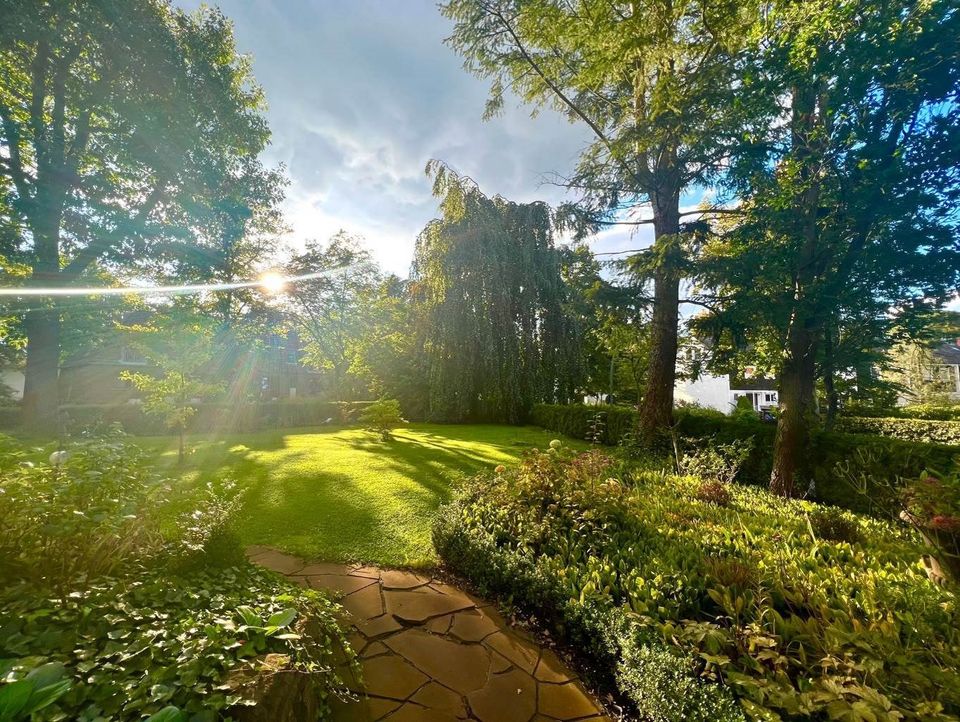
x=107 y=614
x=700 y=611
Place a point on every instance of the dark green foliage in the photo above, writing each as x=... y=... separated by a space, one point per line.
x=834 y=525
x=842 y=461
x=907 y=429
x=687 y=605
x=139 y=613
x=930 y=412
x=497 y=337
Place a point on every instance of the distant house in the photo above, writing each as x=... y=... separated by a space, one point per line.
x=724 y=391
x=940 y=373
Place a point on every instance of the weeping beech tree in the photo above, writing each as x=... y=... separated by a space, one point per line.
x=491 y=306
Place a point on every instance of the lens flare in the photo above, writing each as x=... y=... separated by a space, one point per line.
x=273 y=283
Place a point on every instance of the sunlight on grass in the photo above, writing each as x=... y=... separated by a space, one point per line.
x=342 y=495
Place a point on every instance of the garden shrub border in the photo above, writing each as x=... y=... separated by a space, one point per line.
x=907 y=429
x=865 y=458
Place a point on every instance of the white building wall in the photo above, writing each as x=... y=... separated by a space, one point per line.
x=708 y=391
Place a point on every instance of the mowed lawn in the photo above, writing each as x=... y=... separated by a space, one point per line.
x=341 y=494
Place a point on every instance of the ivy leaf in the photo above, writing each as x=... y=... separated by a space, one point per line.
x=168 y=714
x=282 y=618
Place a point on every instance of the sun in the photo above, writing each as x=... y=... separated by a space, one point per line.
x=273 y=283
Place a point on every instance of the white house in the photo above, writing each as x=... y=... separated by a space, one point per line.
x=722 y=392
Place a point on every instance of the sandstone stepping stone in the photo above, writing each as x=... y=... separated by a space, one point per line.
x=418 y=606
x=368 y=709
x=373 y=649
x=415 y=713
x=439 y=625
x=499 y=664
x=517 y=650
x=279 y=562
x=551 y=669
x=461 y=667
x=379 y=626
x=510 y=697
x=396 y=579
x=311 y=569
x=365 y=603
x=362 y=570
x=472 y=625
x=436 y=696
x=391 y=676
x=255 y=550
x=342 y=583
x=566 y=701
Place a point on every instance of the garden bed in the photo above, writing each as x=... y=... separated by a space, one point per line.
x=712 y=607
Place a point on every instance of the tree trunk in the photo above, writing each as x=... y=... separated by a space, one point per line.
x=41 y=398
x=656 y=408
x=829 y=379
x=797 y=383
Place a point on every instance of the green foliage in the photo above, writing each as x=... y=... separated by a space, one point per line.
x=834 y=525
x=844 y=464
x=134 y=614
x=714 y=461
x=382 y=417
x=928 y=412
x=713 y=492
x=497 y=337
x=632 y=567
x=908 y=429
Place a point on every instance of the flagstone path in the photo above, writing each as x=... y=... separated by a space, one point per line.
x=433 y=653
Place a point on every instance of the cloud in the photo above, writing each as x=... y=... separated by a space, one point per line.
x=362 y=94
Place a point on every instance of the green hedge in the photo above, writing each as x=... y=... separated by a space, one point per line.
x=928 y=412
x=218 y=417
x=922 y=430
x=875 y=460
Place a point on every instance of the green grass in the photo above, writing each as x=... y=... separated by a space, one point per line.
x=342 y=495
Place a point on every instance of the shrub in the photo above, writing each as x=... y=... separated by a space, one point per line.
x=687 y=606
x=714 y=461
x=928 y=432
x=382 y=417
x=876 y=461
x=832 y=524
x=930 y=412
x=713 y=492
x=139 y=616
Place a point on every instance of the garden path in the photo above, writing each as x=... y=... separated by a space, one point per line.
x=431 y=652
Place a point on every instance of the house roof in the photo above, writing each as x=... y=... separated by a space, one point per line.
x=948 y=353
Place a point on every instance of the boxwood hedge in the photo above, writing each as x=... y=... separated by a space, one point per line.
x=922 y=430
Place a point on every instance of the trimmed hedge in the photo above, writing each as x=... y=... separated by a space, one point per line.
x=217 y=417
x=874 y=460
x=928 y=412
x=922 y=430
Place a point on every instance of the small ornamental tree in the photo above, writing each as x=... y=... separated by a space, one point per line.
x=382 y=417
x=180 y=350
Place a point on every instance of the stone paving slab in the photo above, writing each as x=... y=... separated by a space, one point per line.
x=430 y=651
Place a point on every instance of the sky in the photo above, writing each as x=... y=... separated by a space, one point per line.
x=361 y=94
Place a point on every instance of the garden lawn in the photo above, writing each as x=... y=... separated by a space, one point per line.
x=341 y=494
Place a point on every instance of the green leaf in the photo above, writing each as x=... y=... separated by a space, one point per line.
x=47 y=695
x=168 y=714
x=282 y=618
x=249 y=616
x=13 y=699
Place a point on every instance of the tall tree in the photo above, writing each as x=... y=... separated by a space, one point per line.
x=654 y=81
x=118 y=122
x=331 y=312
x=496 y=331
x=850 y=205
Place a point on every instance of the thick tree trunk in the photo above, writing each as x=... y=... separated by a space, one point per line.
x=41 y=397
x=797 y=384
x=656 y=408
